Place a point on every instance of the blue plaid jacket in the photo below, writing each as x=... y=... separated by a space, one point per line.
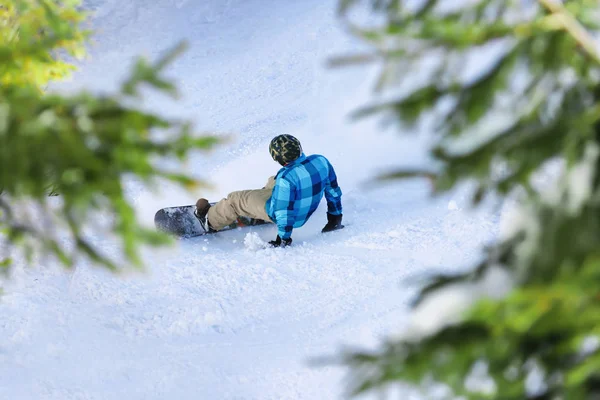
x=299 y=188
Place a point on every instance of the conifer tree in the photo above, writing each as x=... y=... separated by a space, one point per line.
x=80 y=147
x=512 y=86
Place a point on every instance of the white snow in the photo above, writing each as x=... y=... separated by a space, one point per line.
x=253 y=242
x=223 y=317
x=452 y=205
x=448 y=305
x=580 y=179
x=479 y=380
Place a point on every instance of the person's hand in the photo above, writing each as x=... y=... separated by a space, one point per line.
x=279 y=242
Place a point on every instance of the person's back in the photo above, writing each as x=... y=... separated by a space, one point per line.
x=299 y=188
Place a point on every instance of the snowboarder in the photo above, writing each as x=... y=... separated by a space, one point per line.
x=288 y=199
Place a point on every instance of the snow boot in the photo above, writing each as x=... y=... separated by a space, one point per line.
x=201 y=212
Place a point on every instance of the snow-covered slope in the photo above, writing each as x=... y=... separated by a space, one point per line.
x=219 y=317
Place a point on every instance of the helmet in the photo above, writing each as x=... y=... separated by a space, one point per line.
x=285 y=149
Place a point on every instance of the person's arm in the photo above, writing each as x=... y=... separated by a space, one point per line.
x=333 y=195
x=282 y=204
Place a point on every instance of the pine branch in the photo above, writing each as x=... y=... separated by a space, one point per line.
x=574 y=28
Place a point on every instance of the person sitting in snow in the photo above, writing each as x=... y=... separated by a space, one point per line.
x=288 y=199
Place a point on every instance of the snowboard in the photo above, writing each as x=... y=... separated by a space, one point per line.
x=181 y=222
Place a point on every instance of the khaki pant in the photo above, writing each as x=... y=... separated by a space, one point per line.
x=246 y=203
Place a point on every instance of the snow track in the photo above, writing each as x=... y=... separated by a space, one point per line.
x=219 y=317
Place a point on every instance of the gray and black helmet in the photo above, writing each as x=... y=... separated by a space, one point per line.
x=285 y=149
